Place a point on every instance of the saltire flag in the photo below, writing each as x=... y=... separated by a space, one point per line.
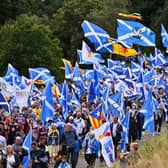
x=68 y=69
x=120 y=50
x=91 y=92
x=76 y=76
x=3 y=103
x=120 y=85
x=103 y=134
x=12 y=76
x=140 y=87
x=135 y=32
x=128 y=79
x=98 y=90
x=98 y=36
x=64 y=99
x=161 y=83
x=27 y=145
x=47 y=103
x=89 y=57
x=12 y=71
x=112 y=63
x=34 y=94
x=119 y=73
x=25 y=82
x=158 y=59
x=125 y=134
x=75 y=100
x=123 y=65
x=105 y=95
x=80 y=87
x=164 y=35
x=115 y=104
x=155 y=104
x=149 y=75
x=136 y=68
x=148 y=113
x=97 y=117
x=40 y=75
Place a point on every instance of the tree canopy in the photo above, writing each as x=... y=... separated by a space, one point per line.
x=26 y=44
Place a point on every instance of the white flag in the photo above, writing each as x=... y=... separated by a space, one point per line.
x=103 y=134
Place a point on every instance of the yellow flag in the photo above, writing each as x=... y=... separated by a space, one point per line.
x=120 y=50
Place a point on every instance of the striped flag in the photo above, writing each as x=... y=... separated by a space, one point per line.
x=96 y=117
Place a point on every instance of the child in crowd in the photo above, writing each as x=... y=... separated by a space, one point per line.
x=64 y=163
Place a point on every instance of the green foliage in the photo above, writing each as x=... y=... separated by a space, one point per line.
x=26 y=44
x=66 y=23
x=10 y=9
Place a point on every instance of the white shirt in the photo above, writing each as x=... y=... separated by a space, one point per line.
x=80 y=125
x=10 y=161
x=114 y=129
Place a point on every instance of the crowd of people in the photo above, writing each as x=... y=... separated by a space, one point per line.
x=59 y=141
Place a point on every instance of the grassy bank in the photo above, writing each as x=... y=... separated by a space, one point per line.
x=154 y=152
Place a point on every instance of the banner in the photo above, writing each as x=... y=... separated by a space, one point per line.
x=22 y=97
x=103 y=134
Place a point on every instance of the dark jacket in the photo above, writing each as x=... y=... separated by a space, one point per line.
x=119 y=130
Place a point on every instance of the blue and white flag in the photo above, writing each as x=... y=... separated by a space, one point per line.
x=12 y=76
x=164 y=36
x=75 y=100
x=140 y=87
x=3 y=103
x=64 y=100
x=105 y=96
x=98 y=36
x=76 y=73
x=103 y=134
x=158 y=59
x=12 y=71
x=91 y=92
x=27 y=145
x=147 y=111
x=115 y=104
x=135 y=32
x=89 y=57
x=40 y=74
x=136 y=68
x=47 y=103
x=68 y=71
x=125 y=134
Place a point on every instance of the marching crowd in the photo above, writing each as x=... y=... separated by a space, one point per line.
x=59 y=141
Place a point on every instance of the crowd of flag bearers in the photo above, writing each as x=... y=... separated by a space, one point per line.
x=100 y=112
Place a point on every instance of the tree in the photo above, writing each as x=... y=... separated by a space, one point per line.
x=26 y=44
x=66 y=22
x=10 y=9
